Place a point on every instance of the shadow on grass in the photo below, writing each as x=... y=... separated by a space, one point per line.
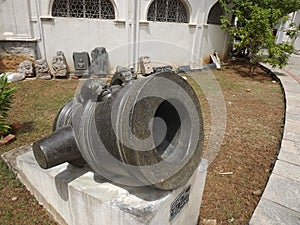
x=22 y=128
x=242 y=67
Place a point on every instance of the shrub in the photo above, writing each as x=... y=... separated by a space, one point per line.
x=6 y=95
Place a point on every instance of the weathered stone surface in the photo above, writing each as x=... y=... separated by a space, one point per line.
x=122 y=74
x=163 y=69
x=283 y=191
x=293 y=127
x=293 y=158
x=183 y=69
x=26 y=68
x=270 y=213
x=7 y=139
x=99 y=64
x=81 y=63
x=146 y=66
x=59 y=65
x=80 y=197
x=290 y=146
x=14 y=77
x=287 y=170
x=12 y=53
x=42 y=69
x=10 y=157
x=292 y=117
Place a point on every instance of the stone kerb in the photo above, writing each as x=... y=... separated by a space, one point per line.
x=280 y=202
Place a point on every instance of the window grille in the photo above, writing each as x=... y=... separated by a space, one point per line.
x=97 y=9
x=215 y=14
x=167 y=11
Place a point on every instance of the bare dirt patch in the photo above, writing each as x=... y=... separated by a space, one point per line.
x=255 y=114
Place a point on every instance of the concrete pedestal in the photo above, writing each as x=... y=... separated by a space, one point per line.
x=78 y=196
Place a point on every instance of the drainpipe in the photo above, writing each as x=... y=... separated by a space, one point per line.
x=202 y=32
x=137 y=33
x=42 y=39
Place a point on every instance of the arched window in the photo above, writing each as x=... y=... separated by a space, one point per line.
x=215 y=14
x=167 y=11
x=97 y=9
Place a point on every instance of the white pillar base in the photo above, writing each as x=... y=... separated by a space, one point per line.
x=76 y=196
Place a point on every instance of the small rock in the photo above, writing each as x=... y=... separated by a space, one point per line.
x=209 y=222
x=248 y=90
x=231 y=220
x=9 y=138
x=75 y=77
x=14 y=77
x=257 y=192
x=230 y=103
x=14 y=199
x=274 y=81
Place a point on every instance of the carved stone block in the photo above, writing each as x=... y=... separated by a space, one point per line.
x=26 y=68
x=59 y=65
x=42 y=69
x=146 y=66
x=81 y=63
x=99 y=65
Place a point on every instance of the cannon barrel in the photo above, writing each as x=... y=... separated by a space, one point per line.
x=149 y=131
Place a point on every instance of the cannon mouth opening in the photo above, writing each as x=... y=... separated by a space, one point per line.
x=166 y=137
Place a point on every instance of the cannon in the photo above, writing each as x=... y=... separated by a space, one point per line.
x=143 y=132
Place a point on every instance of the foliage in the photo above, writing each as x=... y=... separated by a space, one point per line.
x=254 y=29
x=6 y=95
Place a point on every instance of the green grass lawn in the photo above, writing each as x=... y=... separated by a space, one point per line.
x=34 y=108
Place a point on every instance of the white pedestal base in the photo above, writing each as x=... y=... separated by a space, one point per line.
x=76 y=196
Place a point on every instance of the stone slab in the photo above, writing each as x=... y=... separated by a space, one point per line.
x=291 y=136
x=76 y=196
x=293 y=127
x=289 y=146
x=292 y=117
x=10 y=157
x=283 y=191
x=270 y=213
x=293 y=109
x=287 y=170
x=290 y=157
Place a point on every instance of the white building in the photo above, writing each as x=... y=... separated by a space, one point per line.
x=173 y=32
x=283 y=28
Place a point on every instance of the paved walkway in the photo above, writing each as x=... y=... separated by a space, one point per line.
x=280 y=202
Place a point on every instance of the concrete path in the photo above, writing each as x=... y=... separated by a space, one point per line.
x=280 y=202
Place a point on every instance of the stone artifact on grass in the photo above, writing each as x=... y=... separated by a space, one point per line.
x=14 y=77
x=163 y=69
x=59 y=65
x=81 y=63
x=26 y=68
x=146 y=66
x=99 y=65
x=122 y=75
x=42 y=70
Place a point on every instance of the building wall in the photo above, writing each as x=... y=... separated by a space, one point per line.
x=282 y=28
x=126 y=38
